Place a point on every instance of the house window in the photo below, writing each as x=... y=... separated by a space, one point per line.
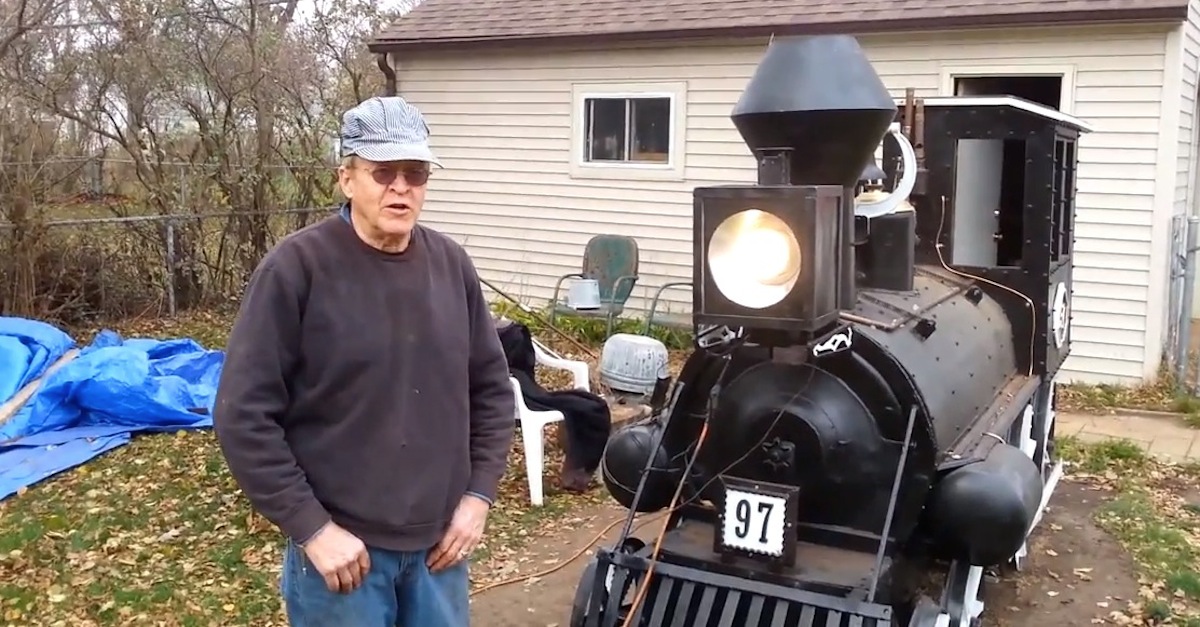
x=629 y=129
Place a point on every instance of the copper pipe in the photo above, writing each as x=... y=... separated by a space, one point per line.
x=907 y=125
x=918 y=138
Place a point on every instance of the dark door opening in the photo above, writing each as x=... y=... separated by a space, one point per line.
x=1044 y=90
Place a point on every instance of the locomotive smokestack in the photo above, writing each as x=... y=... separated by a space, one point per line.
x=820 y=97
x=813 y=113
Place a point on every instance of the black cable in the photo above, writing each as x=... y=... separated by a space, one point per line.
x=686 y=378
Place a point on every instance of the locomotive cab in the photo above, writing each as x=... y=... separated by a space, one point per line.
x=1000 y=204
x=870 y=394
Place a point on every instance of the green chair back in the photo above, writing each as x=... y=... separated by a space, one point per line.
x=608 y=258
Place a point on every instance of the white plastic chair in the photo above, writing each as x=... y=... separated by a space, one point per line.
x=533 y=423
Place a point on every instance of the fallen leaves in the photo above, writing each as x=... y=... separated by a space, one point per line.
x=157 y=532
x=1151 y=517
x=1162 y=394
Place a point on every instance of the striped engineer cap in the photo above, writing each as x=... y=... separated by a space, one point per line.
x=386 y=129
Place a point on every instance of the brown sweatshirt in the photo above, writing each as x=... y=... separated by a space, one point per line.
x=364 y=387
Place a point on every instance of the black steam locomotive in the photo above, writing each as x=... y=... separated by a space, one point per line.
x=870 y=399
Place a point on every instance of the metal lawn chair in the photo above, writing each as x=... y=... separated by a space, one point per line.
x=612 y=261
x=668 y=319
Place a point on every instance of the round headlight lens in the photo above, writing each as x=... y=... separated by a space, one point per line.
x=754 y=258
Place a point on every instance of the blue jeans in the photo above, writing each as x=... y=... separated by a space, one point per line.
x=399 y=591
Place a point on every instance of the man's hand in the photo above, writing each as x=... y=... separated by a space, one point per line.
x=466 y=528
x=340 y=557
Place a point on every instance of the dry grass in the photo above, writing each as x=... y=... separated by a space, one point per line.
x=1156 y=517
x=157 y=532
x=1161 y=395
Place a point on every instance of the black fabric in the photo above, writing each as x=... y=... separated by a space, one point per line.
x=586 y=416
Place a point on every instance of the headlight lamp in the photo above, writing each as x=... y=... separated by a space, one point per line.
x=754 y=258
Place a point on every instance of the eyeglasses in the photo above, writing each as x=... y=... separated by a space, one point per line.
x=414 y=176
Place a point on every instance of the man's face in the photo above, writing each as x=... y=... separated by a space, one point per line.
x=388 y=195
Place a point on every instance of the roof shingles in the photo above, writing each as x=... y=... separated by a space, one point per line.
x=483 y=21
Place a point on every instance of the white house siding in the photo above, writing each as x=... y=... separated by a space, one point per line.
x=501 y=122
x=1188 y=42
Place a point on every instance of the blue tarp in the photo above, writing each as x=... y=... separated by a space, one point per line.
x=114 y=389
x=27 y=349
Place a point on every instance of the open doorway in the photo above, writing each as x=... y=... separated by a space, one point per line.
x=997 y=236
x=1044 y=90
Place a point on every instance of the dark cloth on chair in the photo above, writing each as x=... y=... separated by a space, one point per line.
x=586 y=416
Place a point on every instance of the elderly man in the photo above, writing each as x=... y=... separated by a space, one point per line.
x=364 y=407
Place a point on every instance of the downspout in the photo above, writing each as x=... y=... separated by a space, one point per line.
x=389 y=86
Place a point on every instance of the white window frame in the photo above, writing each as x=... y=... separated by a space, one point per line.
x=1066 y=96
x=672 y=170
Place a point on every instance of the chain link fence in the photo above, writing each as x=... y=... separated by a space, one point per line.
x=79 y=270
x=1185 y=231
x=91 y=238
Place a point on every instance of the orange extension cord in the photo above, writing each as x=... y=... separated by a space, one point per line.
x=584 y=549
x=662 y=532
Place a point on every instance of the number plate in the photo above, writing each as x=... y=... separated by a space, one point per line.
x=754 y=522
x=756 y=519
